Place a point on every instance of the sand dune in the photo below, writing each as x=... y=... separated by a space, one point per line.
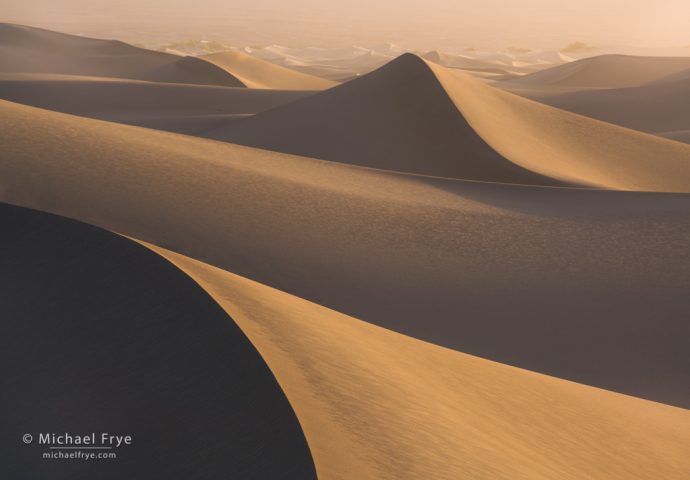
x=191 y=109
x=256 y=73
x=101 y=335
x=681 y=136
x=34 y=50
x=417 y=117
x=523 y=275
x=610 y=71
x=378 y=405
x=655 y=108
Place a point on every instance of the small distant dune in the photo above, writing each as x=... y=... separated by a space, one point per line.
x=256 y=73
x=33 y=50
x=99 y=334
x=608 y=71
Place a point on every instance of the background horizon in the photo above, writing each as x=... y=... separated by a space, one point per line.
x=443 y=24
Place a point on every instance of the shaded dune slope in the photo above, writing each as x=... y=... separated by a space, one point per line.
x=657 y=108
x=379 y=405
x=609 y=71
x=256 y=73
x=101 y=335
x=190 y=109
x=417 y=117
x=585 y=285
x=34 y=50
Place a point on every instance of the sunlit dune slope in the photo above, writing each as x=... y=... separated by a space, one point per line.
x=190 y=109
x=34 y=50
x=101 y=335
x=379 y=405
x=419 y=117
x=611 y=71
x=585 y=285
x=256 y=73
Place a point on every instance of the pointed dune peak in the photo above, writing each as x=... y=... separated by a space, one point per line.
x=398 y=117
x=418 y=117
x=34 y=50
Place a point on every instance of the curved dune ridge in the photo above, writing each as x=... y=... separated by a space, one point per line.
x=101 y=335
x=189 y=109
x=482 y=264
x=379 y=405
x=609 y=71
x=418 y=117
x=34 y=50
x=256 y=73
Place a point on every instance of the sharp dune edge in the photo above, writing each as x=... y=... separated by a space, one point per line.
x=255 y=73
x=101 y=334
x=397 y=244
x=401 y=408
x=418 y=117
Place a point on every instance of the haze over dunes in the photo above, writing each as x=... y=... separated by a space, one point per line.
x=611 y=71
x=366 y=250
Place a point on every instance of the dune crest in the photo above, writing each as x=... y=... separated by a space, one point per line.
x=99 y=334
x=256 y=73
x=379 y=405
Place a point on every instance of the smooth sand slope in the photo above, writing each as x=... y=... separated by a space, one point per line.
x=658 y=107
x=609 y=71
x=256 y=73
x=378 y=405
x=415 y=116
x=101 y=335
x=190 y=109
x=34 y=50
x=585 y=285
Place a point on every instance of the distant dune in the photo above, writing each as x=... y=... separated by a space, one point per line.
x=482 y=264
x=610 y=71
x=417 y=117
x=34 y=50
x=101 y=335
x=257 y=73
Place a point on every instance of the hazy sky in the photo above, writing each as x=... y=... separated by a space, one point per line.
x=423 y=23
